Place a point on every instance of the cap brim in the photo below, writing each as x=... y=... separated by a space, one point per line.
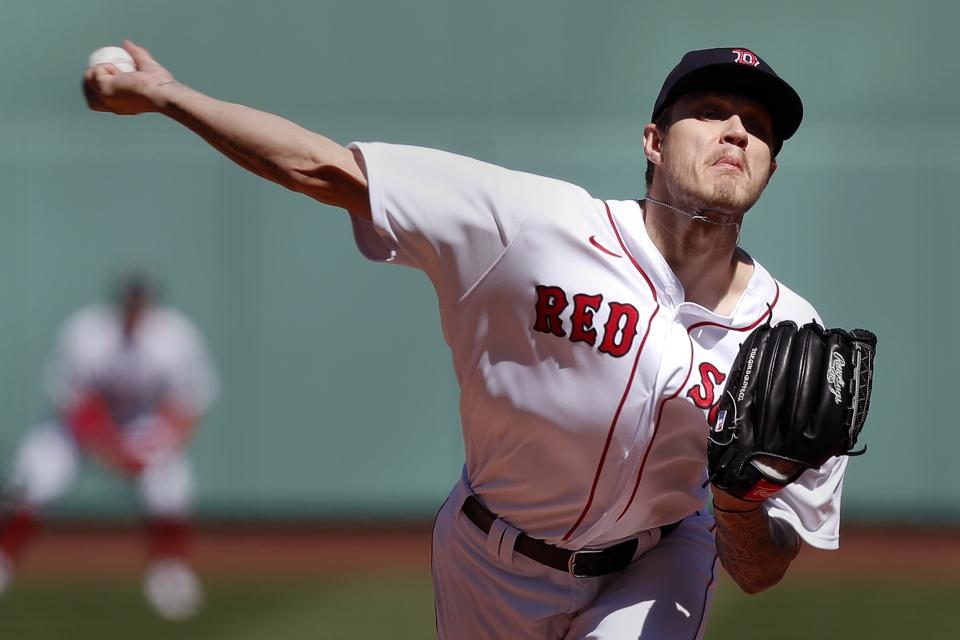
x=784 y=104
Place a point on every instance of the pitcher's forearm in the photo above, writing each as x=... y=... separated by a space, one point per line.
x=755 y=550
x=268 y=145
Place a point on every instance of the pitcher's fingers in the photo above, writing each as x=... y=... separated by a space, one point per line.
x=106 y=68
x=141 y=56
x=102 y=72
x=89 y=94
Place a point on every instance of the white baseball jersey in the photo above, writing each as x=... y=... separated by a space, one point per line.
x=165 y=359
x=586 y=381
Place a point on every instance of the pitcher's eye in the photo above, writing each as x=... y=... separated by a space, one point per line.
x=757 y=127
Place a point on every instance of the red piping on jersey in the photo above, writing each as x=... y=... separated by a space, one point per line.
x=616 y=232
x=769 y=311
x=593 y=241
x=656 y=430
x=626 y=391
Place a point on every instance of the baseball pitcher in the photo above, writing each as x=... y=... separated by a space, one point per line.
x=594 y=342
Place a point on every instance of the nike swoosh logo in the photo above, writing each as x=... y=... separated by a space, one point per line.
x=593 y=241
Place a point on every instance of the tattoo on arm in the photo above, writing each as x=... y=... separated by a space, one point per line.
x=754 y=548
x=271 y=147
x=246 y=157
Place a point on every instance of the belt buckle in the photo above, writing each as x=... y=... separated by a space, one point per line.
x=572 y=562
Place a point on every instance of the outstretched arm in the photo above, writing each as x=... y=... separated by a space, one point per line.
x=755 y=549
x=265 y=144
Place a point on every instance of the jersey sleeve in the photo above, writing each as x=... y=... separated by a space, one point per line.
x=811 y=504
x=192 y=379
x=73 y=367
x=450 y=216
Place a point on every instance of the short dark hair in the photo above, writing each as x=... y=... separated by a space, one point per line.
x=662 y=122
x=134 y=288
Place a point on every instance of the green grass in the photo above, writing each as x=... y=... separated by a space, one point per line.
x=395 y=607
x=401 y=607
x=839 y=610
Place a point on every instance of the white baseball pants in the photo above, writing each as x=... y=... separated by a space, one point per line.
x=48 y=460
x=485 y=591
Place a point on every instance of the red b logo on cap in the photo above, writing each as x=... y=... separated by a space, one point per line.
x=745 y=56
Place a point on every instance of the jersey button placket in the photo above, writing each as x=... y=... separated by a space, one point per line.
x=666 y=329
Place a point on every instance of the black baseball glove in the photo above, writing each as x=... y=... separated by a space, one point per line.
x=795 y=397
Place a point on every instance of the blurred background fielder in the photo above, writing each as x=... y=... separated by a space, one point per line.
x=128 y=382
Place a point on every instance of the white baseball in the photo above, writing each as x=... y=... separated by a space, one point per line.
x=116 y=56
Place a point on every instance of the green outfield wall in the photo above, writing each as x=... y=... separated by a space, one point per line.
x=338 y=396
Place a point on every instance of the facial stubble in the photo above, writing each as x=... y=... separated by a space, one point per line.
x=725 y=193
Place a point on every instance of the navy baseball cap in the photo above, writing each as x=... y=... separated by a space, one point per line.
x=738 y=70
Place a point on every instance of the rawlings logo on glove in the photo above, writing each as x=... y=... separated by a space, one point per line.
x=835 y=377
x=802 y=396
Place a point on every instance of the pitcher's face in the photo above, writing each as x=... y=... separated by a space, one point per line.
x=716 y=154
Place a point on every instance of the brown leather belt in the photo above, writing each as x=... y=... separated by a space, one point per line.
x=587 y=563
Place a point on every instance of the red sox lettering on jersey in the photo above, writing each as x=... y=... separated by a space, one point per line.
x=704 y=394
x=619 y=330
x=618 y=334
